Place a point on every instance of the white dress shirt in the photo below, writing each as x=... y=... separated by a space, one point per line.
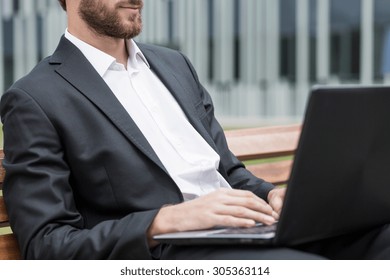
x=188 y=158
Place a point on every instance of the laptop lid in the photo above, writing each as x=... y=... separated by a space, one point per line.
x=340 y=177
x=339 y=180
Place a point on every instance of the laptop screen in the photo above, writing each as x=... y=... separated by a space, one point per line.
x=340 y=178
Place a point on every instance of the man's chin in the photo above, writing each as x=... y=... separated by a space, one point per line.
x=133 y=31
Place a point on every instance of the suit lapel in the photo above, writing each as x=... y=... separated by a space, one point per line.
x=77 y=70
x=178 y=90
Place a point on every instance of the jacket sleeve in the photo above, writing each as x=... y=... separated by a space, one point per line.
x=39 y=196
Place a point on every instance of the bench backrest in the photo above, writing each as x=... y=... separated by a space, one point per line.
x=267 y=152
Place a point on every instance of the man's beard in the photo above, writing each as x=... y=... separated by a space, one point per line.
x=108 y=22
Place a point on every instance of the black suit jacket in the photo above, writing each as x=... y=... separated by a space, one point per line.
x=81 y=180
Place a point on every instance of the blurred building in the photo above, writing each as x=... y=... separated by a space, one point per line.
x=257 y=58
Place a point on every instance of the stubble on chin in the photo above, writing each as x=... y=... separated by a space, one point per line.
x=105 y=22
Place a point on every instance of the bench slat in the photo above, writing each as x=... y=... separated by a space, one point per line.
x=9 y=249
x=266 y=142
x=276 y=173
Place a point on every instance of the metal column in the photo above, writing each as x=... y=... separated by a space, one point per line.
x=367 y=42
x=323 y=41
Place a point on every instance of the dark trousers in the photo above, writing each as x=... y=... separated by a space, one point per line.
x=373 y=244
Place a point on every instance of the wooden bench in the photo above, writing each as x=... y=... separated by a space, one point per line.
x=9 y=249
x=266 y=151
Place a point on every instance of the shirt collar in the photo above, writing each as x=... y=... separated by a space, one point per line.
x=102 y=61
x=135 y=52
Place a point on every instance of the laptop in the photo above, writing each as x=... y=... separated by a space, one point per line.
x=340 y=179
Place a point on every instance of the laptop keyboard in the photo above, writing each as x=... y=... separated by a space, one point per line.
x=259 y=229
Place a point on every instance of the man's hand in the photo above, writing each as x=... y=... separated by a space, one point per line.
x=224 y=207
x=275 y=200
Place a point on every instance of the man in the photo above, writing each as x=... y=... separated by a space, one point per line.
x=109 y=142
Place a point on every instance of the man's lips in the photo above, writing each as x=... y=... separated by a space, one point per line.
x=132 y=7
x=132 y=4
